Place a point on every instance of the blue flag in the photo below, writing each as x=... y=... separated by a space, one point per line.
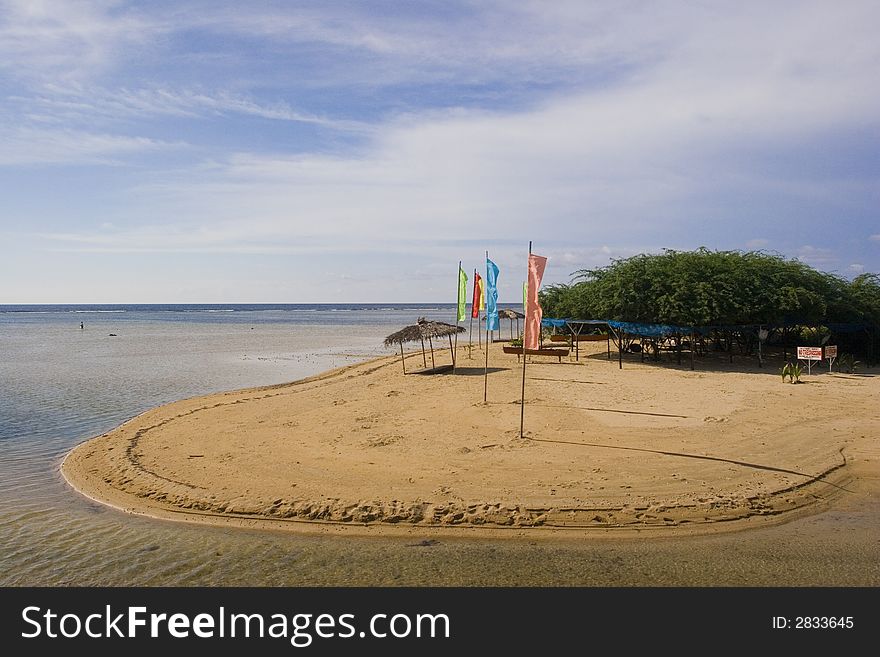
x=491 y=296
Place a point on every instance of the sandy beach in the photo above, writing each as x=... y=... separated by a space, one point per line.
x=366 y=449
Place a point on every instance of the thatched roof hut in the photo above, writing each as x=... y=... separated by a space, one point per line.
x=420 y=331
x=512 y=315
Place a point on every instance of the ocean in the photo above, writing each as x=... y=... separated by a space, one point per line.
x=61 y=384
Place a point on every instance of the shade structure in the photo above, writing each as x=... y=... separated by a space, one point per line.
x=513 y=316
x=507 y=313
x=423 y=329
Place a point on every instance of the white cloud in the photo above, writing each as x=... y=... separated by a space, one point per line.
x=598 y=165
x=622 y=129
x=29 y=146
x=814 y=255
x=875 y=238
x=856 y=268
x=77 y=102
x=68 y=39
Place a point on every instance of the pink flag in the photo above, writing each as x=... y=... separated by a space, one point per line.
x=533 y=308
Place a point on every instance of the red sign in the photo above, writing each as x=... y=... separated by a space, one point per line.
x=809 y=353
x=831 y=351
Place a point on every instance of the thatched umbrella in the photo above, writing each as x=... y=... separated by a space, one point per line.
x=422 y=329
x=511 y=315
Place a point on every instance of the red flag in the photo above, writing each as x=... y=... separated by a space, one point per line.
x=478 y=303
x=534 y=313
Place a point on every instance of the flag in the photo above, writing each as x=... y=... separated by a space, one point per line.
x=533 y=308
x=478 y=303
x=462 y=293
x=491 y=296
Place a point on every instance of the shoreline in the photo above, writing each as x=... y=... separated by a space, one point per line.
x=295 y=456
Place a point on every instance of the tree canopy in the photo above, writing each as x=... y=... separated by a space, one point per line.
x=712 y=288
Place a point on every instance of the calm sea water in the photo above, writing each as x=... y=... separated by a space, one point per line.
x=61 y=384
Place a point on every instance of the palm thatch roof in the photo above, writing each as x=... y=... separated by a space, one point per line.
x=423 y=329
x=507 y=313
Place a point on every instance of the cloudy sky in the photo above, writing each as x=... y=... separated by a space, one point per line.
x=189 y=151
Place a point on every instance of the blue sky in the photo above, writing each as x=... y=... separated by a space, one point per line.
x=355 y=151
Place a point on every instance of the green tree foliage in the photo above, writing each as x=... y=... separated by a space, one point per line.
x=706 y=288
x=865 y=298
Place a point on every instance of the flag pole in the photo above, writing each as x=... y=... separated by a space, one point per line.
x=486 y=372
x=480 y=326
x=457 y=294
x=471 y=338
x=522 y=405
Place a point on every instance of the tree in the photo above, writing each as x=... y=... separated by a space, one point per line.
x=714 y=288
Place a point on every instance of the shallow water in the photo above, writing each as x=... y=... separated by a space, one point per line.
x=60 y=385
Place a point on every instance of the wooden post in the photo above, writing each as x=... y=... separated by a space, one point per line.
x=872 y=338
x=424 y=358
x=402 y=361
x=431 y=344
x=619 y=349
x=522 y=405
x=784 y=345
x=477 y=309
x=693 y=347
x=457 y=292
x=486 y=370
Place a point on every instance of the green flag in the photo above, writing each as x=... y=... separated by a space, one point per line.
x=462 y=293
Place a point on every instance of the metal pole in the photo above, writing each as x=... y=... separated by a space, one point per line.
x=522 y=405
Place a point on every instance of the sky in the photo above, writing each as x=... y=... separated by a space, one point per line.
x=304 y=152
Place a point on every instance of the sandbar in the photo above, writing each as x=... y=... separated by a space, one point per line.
x=652 y=447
